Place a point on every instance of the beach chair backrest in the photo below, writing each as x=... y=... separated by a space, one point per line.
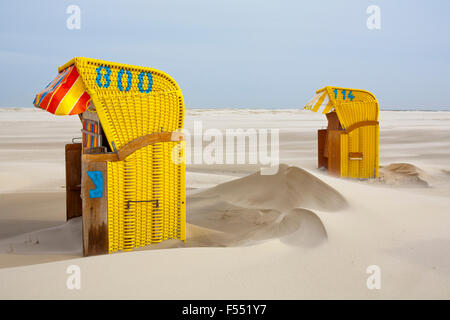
x=351 y=145
x=130 y=101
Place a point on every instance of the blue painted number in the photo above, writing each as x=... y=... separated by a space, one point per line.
x=141 y=82
x=344 y=96
x=351 y=96
x=119 y=80
x=104 y=79
x=106 y=76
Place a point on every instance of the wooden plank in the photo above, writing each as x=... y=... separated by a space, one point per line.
x=95 y=150
x=73 y=180
x=132 y=146
x=334 y=152
x=146 y=140
x=321 y=140
x=110 y=156
x=333 y=121
x=95 y=209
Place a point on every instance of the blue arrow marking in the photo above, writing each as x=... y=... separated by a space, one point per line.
x=97 y=179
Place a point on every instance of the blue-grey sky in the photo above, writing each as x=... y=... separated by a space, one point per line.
x=238 y=53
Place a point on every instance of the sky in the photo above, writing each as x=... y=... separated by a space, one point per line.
x=238 y=53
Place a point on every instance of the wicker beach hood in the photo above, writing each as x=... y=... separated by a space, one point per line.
x=130 y=101
x=351 y=105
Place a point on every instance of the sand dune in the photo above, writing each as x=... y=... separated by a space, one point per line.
x=260 y=207
x=404 y=174
x=291 y=187
x=302 y=227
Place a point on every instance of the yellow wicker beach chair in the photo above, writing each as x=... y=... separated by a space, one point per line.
x=349 y=145
x=130 y=179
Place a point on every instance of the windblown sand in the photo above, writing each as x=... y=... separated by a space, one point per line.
x=296 y=234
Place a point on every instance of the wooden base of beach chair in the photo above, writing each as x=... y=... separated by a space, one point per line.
x=95 y=206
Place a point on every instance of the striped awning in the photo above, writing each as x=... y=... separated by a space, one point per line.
x=320 y=103
x=65 y=95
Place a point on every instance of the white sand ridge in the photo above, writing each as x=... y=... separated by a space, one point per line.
x=259 y=207
x=404 y=174
x=408 y=175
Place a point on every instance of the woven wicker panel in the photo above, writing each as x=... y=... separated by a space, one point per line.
x=364 y=140
x=146 y=201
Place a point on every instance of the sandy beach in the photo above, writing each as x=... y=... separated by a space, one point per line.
x=298 y=234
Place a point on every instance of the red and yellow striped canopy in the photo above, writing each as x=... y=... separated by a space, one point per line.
x=65 y=95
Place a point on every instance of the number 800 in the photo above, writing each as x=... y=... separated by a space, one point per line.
x=107 y=79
